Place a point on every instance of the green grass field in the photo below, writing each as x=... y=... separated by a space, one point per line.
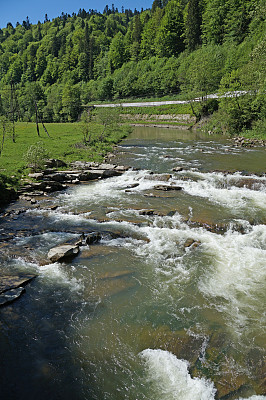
x=65 y=143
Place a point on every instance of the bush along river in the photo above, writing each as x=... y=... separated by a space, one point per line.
x=164 y=295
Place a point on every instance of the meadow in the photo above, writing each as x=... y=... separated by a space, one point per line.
x=66 y=142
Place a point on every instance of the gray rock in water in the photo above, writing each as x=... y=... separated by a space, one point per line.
x=10 y=295
x=122 y=168
x=8 y=282
x=59 y=253
x=158 y=177
x=192 y=243
x=108 y=173
x=93 y=237
x=166 y=187
x=146 y=212
x=11 y=287
x=107 y=166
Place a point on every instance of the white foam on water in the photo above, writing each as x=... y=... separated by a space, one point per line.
x=233 y=279
x=55 y=274
x=238 y=263
x=61 y=216
x=107 y=189
x=51 y=274
x=220 y=189
x=171 y=380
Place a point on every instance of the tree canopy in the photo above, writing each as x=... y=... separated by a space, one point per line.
x=178 y=45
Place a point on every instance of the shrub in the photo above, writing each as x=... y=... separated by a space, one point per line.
x=36 y=156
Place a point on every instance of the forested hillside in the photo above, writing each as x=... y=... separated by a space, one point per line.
x=192 y=47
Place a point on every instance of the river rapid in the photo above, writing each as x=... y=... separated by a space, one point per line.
x=169 y=305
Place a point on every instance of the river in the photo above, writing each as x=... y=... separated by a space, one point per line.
x=169 y=305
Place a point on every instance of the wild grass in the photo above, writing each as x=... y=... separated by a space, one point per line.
x=66 y=142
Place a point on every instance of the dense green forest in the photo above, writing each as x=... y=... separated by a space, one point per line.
x=187 y=47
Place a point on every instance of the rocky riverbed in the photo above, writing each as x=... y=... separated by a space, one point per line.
x=148 y=284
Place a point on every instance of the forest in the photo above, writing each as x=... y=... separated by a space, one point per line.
x=185 y=48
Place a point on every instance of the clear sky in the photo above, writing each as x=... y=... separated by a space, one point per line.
x=17 y=10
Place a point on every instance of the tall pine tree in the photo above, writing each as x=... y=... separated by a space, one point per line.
x=193 y=25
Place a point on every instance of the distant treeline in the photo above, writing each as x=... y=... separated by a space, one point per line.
x=177 y=46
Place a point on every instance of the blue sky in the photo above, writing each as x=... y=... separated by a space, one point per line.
x=17 y=10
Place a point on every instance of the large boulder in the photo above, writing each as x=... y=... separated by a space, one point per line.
x=62 y=252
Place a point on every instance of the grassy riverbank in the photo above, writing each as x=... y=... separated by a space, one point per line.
x=66 y=142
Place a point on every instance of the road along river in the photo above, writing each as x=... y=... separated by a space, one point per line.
x=169 y=304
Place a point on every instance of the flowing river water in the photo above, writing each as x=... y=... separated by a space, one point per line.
x=169 y=305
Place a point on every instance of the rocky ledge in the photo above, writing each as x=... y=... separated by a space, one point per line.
x=52 y=179
x=12 y=287
x=71 y=249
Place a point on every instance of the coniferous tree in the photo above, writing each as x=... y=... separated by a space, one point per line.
x=193 y=25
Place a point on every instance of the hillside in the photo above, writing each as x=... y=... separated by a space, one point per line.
x=184 y=47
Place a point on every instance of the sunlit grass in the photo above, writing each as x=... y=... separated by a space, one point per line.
x=65 y=143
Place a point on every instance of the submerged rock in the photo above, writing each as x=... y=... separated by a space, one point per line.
x=177 y=342
x=115 y=275
x=11 y=295
x=59 y=253
x=192 y=243
x=11 y=287
x=250 y=183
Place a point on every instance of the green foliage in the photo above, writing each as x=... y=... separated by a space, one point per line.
x=35 y=156
x=209 y=107
x=71 y=104
x=85 y=127
x=190 y=46
x=201 y=71
x=169 y=40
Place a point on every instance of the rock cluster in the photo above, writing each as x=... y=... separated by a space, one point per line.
x=51 y=180
x=246 y=142
x=70 y=250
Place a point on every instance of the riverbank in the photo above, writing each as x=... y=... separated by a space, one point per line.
x=65 y=142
